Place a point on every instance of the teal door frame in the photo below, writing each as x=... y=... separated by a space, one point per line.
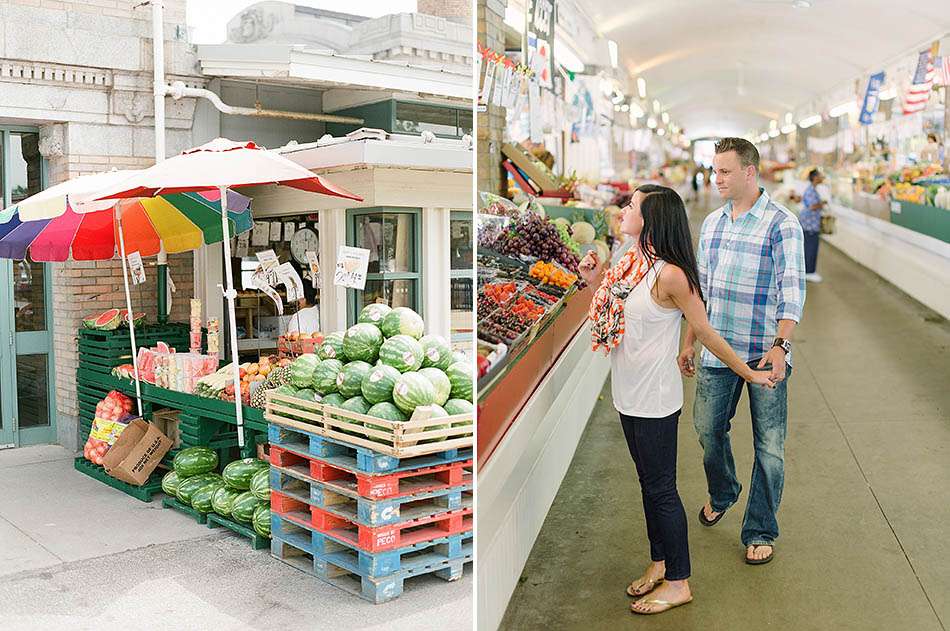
x=14 y=344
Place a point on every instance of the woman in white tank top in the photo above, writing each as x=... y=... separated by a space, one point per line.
x=658 y=284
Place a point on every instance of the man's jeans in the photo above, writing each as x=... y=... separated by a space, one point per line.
x=717 y=395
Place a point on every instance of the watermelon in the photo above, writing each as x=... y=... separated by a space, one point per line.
x=324 y=377
x=194 y=461
x=105 y=321
x=307 y=395
x=377 y=387
x=436 y=352
x=402 y=353
x=201 y=499
x=362 y=342
x=222 y=499
x=350 y=379
x=460 y=374
x=170 y=482
x=334 y=400
x=374 y=313
x=459 y=406
x=388 y=411
x=189 y=487
x=260 y=520
x=412 y=390
x=332 y=347
x=242 y=509
x=301 y=370
x=440 y=382
x=436 y=411
x=138 y=319
x=288 y=391
x=356 y=404
x=260 y=484
x=402 y=321
x=238 y=474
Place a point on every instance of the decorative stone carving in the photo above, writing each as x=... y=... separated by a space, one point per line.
x=135 y=106
x=52 y=141
x=255 y=25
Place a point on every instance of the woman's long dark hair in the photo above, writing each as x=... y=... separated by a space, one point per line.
x=665 y=234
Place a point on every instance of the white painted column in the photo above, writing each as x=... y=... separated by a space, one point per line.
x=209 y=273
x=332 y=298
x=436 y=270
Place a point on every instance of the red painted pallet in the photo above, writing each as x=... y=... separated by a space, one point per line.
x=373 y=538
x=375 y=487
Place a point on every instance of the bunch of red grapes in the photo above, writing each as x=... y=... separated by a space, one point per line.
x=535 y=236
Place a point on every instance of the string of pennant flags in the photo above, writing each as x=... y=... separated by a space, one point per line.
x=505 y=83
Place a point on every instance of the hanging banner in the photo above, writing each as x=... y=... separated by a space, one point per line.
x=871 y=98
x=542 y=16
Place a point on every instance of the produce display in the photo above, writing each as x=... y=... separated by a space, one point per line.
x=411 y=369
x=534 y=236
x=256 y=379
x=113 y=414
x=106 y=321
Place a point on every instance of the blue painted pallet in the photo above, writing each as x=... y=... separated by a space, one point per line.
x=342 y=569
x=352 y=457
x=375 y=565
x=346 y=502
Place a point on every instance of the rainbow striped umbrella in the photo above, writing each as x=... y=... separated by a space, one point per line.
x=179 y=222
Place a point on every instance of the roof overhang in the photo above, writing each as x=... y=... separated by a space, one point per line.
x=298 y=65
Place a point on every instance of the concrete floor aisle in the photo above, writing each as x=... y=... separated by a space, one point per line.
x=866 y=504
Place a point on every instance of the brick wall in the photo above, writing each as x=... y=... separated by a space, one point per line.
x=81 y=288
x=491 y=123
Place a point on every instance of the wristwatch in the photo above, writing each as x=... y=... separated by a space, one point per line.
x=785 y=345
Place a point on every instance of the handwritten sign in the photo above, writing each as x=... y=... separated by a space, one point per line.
x=291 y=280
x=314 y=264
x=268 y=260
x=351 y=266
x=136 y=268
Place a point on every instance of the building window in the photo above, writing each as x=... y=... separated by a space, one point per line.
x=394 y=275
x=462 y=274
x=415 y=118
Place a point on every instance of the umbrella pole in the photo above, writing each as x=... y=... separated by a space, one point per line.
x=231 y=294
x=128 y=306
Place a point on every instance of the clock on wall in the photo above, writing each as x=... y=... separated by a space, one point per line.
x=302 y=241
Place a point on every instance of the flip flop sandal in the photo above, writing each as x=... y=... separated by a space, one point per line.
x=709 y=522
x=665 y=604
x=759 y=561
x=652 y=584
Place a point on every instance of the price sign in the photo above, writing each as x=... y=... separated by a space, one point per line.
x=351 y=266
x=314 y=264
x=291 y=280
x=136 y=268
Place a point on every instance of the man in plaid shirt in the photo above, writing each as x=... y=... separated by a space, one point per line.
x=752 y=273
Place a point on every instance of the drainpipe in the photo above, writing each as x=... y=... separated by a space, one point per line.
x=158 y=89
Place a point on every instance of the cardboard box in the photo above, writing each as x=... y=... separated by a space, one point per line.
x=167 y=423
x=137 y=452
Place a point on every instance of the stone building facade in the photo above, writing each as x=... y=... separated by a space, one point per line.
x=80 y=72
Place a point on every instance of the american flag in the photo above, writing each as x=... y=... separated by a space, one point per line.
x=916 y=97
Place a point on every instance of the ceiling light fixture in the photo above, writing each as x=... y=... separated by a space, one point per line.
x=787 y=129
x=808 y=121
x=614 y=53
x=842 y=109
x=666 y=118
x=642 y=87
x=660 y=132
x=788 y=118
x=656 y=106
x=624 y=108
x=801 y=4
x=763 y=137
x=651 y=123
x=774 y=133
x=636 y=111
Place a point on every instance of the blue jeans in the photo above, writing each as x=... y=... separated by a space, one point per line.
x=717 y=395
x=812 y=241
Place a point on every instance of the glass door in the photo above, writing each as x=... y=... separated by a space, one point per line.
x=26 y=354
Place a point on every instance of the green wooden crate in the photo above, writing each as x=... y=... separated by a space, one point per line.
x=144 y=493
x=929 y=220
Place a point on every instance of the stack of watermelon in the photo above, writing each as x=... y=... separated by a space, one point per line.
x=385 y=367
x=241 y=492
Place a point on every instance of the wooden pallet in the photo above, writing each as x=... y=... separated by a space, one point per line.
x=413 y=529
x=172 y=502
x=356 y=458
x=377 y=578
x=420 y=435
x=376 y=487
x=143 y=493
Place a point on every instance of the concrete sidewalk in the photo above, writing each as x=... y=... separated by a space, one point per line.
x=77 y=554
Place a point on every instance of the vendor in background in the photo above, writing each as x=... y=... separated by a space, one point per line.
x=810 y=218
x=933 y=151
x=307 y=318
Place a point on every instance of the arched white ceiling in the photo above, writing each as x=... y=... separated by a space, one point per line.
x=723 y=67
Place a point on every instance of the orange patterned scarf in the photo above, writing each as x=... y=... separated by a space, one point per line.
x=606 y=308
